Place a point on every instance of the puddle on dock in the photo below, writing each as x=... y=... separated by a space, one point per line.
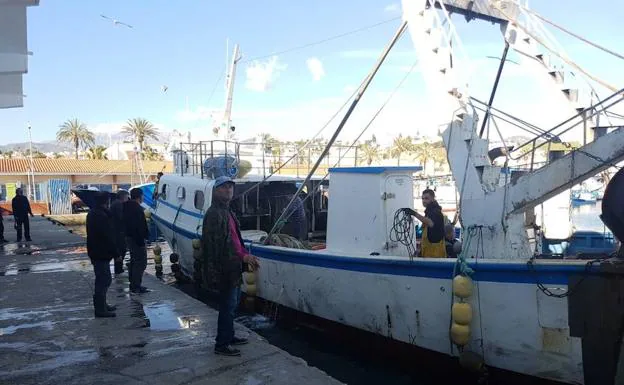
x=162 y=316
x=49 y=266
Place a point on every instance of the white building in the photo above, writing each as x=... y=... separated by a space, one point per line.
x=13 y=51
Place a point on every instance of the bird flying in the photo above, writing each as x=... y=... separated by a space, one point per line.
x=116 y=22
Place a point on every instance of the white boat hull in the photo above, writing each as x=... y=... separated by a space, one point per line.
x=521 y=329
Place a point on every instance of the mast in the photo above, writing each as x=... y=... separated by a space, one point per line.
x=227 y=115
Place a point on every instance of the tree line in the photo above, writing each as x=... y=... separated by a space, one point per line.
x=403 y=148
x=77 y=133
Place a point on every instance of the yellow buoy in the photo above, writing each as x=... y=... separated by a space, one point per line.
x=148 y=213
x=460 y=334
x=196 y=243
x=249 y=277
x=462 y=313
x=462 y=286
x=157 y=250
x=251 y=290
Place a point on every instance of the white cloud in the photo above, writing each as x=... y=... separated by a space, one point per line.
x=199 y=114
x=394 y=7
x=373 y=53
x=107 y=128
x=316 y=68
x=261 y=75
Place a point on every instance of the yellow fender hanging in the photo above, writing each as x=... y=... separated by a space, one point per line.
x=462 y=313
x=460 y=334
x=249 y=277
x=462 y=286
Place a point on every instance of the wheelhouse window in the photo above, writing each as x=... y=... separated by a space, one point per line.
x=199 y=200
x=181 y=193
x=163 y=192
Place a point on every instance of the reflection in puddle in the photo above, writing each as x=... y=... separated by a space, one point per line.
x=162 y=317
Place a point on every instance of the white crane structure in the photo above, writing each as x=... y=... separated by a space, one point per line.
x=493 y=209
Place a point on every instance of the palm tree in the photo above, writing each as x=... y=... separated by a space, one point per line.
x=401 y=145
x=370 y=151
x=76 y=132
x=425 y=152
x=97 y=152
x=141 y=130
x=151 y=154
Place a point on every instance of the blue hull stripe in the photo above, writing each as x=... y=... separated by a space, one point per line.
x=177 y=229
x=195 y=214
x=551 y=274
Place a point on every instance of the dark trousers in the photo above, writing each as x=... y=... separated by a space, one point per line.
x=121 y=253
x=19 y=222
x=103 y=278
x=138 y=263
x=1 y=228
x=228 y=302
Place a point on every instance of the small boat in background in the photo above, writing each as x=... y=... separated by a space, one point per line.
x=580 y=197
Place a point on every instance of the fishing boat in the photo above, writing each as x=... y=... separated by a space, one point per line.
x=501 y=301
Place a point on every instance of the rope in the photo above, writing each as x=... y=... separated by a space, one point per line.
x=571 y=290
x=370 y=122
x=325 y=40
x=595 y=45
x=553 y=51
x=296 y=153
x=403 y=231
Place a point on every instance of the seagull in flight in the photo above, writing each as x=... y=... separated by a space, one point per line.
x=116 y=22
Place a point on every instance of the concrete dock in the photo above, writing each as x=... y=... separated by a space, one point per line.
x=48 y=334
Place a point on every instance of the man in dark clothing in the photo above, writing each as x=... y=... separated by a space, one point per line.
x=136 y=234
x=120 y=236
x=296 y=219
x=101 y=249
x=2 y=239
x=432 y=243
x=223 y=255
x=453 y=245
x=21 y=210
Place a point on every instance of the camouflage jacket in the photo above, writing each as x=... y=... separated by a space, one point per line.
x=221 y=267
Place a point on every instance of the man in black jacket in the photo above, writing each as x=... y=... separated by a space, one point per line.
x=21 y=210
x=120 y=236
x=222 y=262
x=136 y=234
x=2 y=239
x=101 y=249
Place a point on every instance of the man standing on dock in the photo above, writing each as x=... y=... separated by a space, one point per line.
x=120 y=236
x=2 y=239
x=223 y=258
x=21 y=210
x=136 y=233
x=101 y=249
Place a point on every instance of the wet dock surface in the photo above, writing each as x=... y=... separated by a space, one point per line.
x=48 y=334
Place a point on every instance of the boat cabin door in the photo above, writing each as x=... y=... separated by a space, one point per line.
x=398 y=193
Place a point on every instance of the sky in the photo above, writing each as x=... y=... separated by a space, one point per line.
x=86 y=67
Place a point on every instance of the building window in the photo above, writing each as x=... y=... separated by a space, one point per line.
x=181 y=193
x=199 y=200
x=3 y=193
